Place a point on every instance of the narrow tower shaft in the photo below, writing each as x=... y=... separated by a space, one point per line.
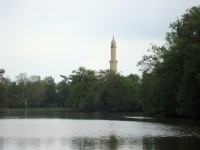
x=113 y=61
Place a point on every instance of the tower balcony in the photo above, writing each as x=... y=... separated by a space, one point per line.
x=113 y=61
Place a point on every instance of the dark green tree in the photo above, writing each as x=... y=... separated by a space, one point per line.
x=14 y=98
x=4 y=83
x=37 y=91
x=173 y=69
x=62 y=89
x=185 y=40
x=23 y=90
x=2 y=71
x=50 y=92
x=118 y=93
x=82 y=92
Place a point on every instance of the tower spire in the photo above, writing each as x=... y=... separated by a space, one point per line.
x=113 y=61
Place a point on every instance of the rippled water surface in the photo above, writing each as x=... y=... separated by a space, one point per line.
x=66 y=130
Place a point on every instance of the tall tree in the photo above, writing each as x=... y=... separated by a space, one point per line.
x=185 y=39
x=3 y=89
x=22 y=80
x=50 y=92
x=81 y=89
x=176 y=77
x=2 y=71
x=37 y=91
x=14 y=98
x=62 y=89
x=118 y=93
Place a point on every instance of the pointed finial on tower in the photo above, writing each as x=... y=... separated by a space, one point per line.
x=113 y=43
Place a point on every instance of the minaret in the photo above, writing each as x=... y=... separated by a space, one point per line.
x=113 y=61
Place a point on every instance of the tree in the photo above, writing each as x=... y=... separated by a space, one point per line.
x=173 y=74
x=4 y=83
x=136 y=84
x=14 y=98
x=2 y=71
x=185 y=39
x=50 y=92
x=82 y=92
x=21 y=81
x=62 y=89
x=118 y=93
x=37 y=91
x=153 y=60
x=103 y=90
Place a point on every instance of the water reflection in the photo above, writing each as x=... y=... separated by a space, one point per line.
x=105 y=143
x=111 y=142
x=94 y=131
x=168 y=143
x=43 y=113
x=148 y=143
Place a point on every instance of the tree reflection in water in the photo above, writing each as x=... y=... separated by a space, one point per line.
x=21 y=130
x=95 y=143
x=168 y=143
x=112 y=142
x=148 y=143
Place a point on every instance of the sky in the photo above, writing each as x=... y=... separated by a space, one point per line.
x=55 y=37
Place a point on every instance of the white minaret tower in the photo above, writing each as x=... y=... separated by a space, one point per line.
x=113 y=61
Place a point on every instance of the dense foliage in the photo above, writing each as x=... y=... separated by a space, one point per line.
x=83 y=89
x=169 y=86
x=171 y=73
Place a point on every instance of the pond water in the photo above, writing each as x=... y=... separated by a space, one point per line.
x=72 y=130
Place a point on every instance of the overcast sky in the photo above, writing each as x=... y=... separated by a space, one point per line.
x=53 y=37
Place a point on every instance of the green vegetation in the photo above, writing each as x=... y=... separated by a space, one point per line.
x=169 y=86
x=171 y=73
x=83 y=89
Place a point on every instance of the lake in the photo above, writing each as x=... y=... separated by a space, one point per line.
x=73 y=130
